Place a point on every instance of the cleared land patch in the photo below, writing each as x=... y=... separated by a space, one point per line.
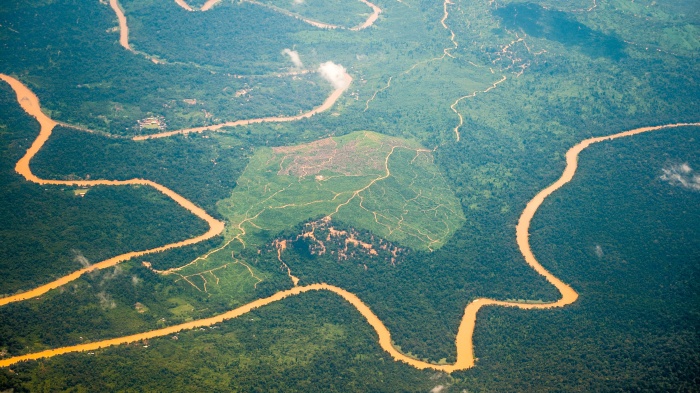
x=389 y=186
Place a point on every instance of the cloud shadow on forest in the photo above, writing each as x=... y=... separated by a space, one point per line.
x=554 y=25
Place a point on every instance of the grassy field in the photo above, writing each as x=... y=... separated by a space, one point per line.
x=386 y=185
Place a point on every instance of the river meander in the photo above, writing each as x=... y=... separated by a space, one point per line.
x=464 y=344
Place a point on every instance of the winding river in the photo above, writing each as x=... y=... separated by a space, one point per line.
x=30 y=103
x=367 y=23
x=123 y=26
x=327 y=104
x=464 y=344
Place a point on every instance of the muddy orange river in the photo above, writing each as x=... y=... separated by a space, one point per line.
x=367 y=23
x=327 y=104
x=372 y=18
x=30 y=103
x=465 y=351
x=123 y=27
x=184 y=5
x=205 y=7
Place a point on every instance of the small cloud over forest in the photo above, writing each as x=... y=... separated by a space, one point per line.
x=334 y=73
x=682 y=175
x=294 y=57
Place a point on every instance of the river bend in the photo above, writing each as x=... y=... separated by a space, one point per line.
x=464 y=339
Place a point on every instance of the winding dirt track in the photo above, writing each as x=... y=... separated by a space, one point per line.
x=30 y=103
x=464 y=344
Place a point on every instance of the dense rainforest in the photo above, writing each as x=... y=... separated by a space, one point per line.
x=496 y=92
x=632 y=329
x=48 y=231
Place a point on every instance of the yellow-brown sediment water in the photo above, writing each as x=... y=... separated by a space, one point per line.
x=30 y=103
x=326 y=105
x=464 y=344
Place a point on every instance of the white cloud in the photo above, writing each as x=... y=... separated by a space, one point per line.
x=335 y=74
x=298 y=1
x=294 y=56
x=682 y=175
